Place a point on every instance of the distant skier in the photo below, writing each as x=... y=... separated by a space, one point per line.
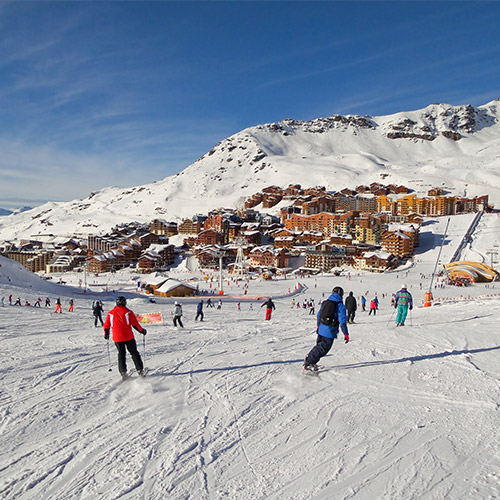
x=121 y=320
x=402 y=302
x=269 y=307
x=10 y=300
x=58 y=306
x=18 y=302
x=199 y=311
x=97 y=311
x=70 y=309
x=373 y=307
x=331 y=316
x=351 y=306
x=38 y=302
x=363 y=302
x=47 y=302
x=178 y=315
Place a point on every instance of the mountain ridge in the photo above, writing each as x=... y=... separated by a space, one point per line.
x=456 y=147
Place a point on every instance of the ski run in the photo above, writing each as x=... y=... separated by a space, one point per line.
x=225 y=412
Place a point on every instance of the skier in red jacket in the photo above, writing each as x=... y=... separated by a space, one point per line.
x=121 y=320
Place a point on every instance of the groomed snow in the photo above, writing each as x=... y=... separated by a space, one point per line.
x=225 y=411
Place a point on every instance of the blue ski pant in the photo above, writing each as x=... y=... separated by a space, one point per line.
x=322 y=347
x=401 y=314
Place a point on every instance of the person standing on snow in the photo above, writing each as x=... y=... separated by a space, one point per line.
x=373 y=307
x=351 y=306
x=58 y=306
x=269 y=307
x=363 y=302
x=402 y=302
x=70 y=305
x=121 y=320
x=178 y=315
x=330 y=317
x=199 y=311
x=97 y=312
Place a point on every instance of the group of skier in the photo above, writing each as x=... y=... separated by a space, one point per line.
x=333 y=316
x=38 y=303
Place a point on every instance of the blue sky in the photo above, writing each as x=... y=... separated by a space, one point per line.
x=94 y=94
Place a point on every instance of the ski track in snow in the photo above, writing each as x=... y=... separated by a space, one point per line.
x=225 y=411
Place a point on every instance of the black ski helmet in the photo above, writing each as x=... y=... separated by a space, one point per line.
x=121 y=301
x=338 y=290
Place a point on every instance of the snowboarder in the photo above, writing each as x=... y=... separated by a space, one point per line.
x=269 y=307
x=328 y=328
x=351 y=306
x=58 y=306
x=97 y=311
x=199 y=311
x=121 y=320
x=178 y=315
x=403 y=301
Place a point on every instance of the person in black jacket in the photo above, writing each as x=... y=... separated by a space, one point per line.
x=269 y=308
x=351 y=306
x=97 y=310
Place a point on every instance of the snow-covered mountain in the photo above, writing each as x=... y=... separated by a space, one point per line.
x=453 y=147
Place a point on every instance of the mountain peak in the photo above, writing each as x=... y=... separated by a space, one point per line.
x=456 y=147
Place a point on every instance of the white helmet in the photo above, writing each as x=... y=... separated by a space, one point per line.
x=176 y=303
x=404 y=287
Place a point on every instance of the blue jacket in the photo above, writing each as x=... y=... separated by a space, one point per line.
x=331 y=331
x=199 y=308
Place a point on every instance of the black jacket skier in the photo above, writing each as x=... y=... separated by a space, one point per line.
x=351 y=306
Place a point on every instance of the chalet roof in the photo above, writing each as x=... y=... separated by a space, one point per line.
x=379 y=255
x=172 y=284
x=155 y=280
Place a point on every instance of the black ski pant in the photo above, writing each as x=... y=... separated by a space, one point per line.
x=350 y=316
x=178 y=319
x=199 y=314
x=131 y=347
x=322 y=347
x=98 y=317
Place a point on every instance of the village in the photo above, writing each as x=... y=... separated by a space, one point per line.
x=371 y=228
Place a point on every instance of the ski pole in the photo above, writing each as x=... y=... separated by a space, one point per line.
x=144 y=347
x=109 y=357
x=390 y=319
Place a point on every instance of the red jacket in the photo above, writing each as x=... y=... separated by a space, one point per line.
x=121 y=320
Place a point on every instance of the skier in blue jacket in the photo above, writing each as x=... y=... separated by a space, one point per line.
x=328 y=333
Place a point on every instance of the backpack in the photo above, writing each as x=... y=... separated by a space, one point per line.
x=328 y=314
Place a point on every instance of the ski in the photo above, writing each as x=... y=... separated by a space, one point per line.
x=126 y=376
x=310 y=372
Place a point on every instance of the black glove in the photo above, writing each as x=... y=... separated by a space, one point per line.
x=411 y=307
x=106 y=334
x=144 y=331
x=346 y=339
